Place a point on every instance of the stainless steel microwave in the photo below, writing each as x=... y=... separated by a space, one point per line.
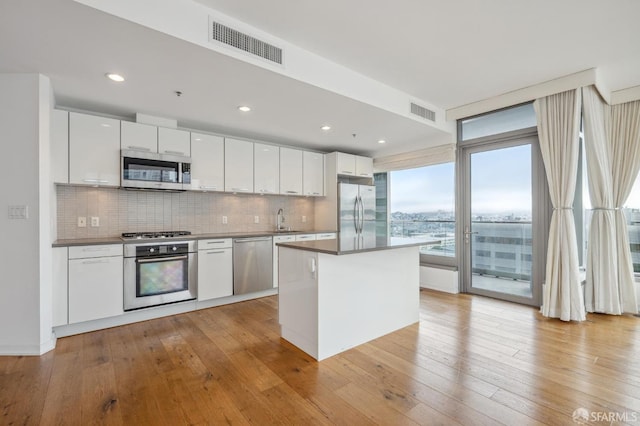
x=150 y=170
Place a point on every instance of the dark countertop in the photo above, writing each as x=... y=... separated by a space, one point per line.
x=118 y=240
x=350 y=246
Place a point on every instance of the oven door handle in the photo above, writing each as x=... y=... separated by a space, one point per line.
x=161 y=259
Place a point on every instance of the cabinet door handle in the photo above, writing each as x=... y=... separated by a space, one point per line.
x=292 y=192
x=173 y=152
x=215 y=242
x=139 y=148
x=208 y=187
x=240 y=189
x=94 y=249
x=91 y=262
x=346 y=172
x=95 y=181
x=215 y=252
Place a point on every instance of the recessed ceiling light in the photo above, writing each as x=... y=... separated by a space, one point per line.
x=325 y=128
x=382 y=141
x=244 y=108
x=115 y=77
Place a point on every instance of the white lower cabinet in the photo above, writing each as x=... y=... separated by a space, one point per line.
x=60 y=296
x=95 y=282
x=215 y=268
x=279 y=239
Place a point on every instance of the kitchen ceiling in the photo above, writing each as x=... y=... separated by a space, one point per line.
x=446 y=53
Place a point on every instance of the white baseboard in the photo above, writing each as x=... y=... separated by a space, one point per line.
x=155 y=312
x=28 y=350
x=439 y=279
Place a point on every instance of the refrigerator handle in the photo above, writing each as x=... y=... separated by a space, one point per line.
x=362 y=215
x=356 y=214
x=361 y=209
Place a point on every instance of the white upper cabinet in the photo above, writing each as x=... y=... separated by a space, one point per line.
x=207 y=162
x=149 y=138
x=345 y=164
x=238 y=165
x=352 y=165
x=60 y=146
x=312 y=173
x=290 y=171
x=266 y=168
x=94 y=150
x=174 y=142
x=138 y=137
x=364 y=166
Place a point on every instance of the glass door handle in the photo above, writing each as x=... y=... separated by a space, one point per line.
x=467 y=233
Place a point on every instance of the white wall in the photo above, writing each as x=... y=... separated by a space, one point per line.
x=439 y=279
x=25 y=255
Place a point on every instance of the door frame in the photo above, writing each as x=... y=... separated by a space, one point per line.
x=541 y=210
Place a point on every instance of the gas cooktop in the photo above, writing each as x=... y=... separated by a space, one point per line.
x=153 y=235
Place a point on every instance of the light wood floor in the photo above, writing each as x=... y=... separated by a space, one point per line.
x=470 y=361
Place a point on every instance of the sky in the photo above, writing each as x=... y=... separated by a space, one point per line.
x=501 y=183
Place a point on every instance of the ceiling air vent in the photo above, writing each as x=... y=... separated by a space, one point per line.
x=423 y=112
x=244 y=42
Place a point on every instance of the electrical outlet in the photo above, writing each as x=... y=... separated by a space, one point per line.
x=304 y=219
x=95 y=221
x=82 y=222
x=256 y=219
x=224 y=220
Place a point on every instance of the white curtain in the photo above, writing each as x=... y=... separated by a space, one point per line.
x=558 y=119
x=612 y=141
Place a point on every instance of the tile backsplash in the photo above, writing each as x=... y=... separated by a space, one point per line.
x=137 y=211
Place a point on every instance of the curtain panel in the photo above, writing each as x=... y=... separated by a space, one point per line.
x=612 y=142
x=558 y=120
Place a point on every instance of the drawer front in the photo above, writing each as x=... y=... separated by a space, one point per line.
x=84 y=252
x=326 y=236
x=215 y=243
x=283 y=238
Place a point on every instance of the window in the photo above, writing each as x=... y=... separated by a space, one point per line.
x=421 y=204
x=632 y=214
x=504 y=120
x=382 y=203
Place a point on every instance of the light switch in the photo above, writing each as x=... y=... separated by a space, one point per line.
x=304 y=219
x=224 y=220
x=256 y=219
x=95 y=221
x=18 y=212
x=82 y=222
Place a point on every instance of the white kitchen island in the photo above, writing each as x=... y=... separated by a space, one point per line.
x=335 y=295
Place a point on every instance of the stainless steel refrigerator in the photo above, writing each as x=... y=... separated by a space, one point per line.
x=356 y=215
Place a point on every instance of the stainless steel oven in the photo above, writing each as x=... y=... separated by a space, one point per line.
x=157 y=273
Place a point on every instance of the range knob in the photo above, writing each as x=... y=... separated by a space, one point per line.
x=175 y=248
x=151 y=250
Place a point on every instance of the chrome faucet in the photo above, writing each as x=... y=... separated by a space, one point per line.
x=280 y=220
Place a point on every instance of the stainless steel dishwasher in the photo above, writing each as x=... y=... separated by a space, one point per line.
x=252 y=264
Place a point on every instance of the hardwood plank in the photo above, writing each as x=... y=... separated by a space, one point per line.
x=99 y=402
